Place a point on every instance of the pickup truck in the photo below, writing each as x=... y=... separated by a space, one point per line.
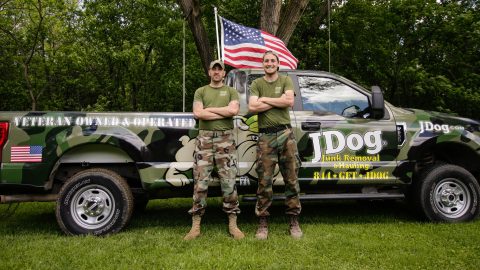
x=99 y=166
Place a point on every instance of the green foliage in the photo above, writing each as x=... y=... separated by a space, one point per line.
x=127 y=55
x=102 y=105
x=422 y=53
x=96 y=55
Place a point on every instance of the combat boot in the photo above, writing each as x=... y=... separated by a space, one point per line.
x=295 y=230
x=262 y=231
x=233 y=229
x=195 y=230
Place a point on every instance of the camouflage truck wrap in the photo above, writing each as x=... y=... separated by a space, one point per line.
x=98 y=167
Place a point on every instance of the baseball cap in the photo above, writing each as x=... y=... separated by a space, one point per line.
x=217 y=62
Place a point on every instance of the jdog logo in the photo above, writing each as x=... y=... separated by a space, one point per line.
x=429 y=126
x=335 y=142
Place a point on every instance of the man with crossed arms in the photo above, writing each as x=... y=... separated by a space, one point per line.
x=270 y=97
x=215 y=104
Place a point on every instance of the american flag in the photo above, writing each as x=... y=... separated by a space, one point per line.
x=243 y=47
x=31 y=153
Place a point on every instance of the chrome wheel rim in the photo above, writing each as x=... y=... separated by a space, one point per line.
x=452 y=197
x=92 y=207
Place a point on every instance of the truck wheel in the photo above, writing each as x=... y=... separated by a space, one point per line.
x=448 y=193
x=94 y=201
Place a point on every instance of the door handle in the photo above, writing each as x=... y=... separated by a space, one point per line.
x=311 y=126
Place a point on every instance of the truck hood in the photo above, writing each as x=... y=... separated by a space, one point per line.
x=409 y=115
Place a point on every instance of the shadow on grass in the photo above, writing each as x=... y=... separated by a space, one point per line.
x=332 y=212
x=39 y=218
x=28 y=218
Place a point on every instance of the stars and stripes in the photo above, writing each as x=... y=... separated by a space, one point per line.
x=32 y=153
x=243 y=47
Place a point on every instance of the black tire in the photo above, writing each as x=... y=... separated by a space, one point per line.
x=94 y=201
x=447 y=193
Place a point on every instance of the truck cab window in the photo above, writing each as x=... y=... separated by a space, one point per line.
x=240 y=82
x=325 y=94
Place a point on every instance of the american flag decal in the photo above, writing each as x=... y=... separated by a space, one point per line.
x=32 y=153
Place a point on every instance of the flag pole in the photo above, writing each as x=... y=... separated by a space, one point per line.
x=183 y=66
x=329 y=40
x=216 y=32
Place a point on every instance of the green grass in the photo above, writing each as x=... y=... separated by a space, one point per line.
x=337 y=235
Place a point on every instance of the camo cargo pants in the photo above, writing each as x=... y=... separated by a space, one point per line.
x=272 y=148
x=215 y=148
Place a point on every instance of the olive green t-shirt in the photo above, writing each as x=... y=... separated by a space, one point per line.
x=261 y=88
x=215 y=97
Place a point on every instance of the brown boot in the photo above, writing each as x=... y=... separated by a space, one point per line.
x=262 y=231
x=295 y=230
x=195 y=230
x=233 y=229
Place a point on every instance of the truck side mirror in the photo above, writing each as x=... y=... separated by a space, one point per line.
x=378 y=104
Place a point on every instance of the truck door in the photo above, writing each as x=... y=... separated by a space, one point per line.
x=338 y=140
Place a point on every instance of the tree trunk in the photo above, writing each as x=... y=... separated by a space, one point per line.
x=3 y=3
x=26 y=75
x=191 y=11
x=46 y=69
x=289 y=21
x=26 y=63
x=270 y=15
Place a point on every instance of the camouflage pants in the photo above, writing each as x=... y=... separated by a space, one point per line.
x=215 y=148
x=272 y=148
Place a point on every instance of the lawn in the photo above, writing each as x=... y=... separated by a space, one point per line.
x=337 y=235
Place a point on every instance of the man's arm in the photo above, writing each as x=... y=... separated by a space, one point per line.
x=286 y=100
x=203 y=114
x=227 y=111
x=262 y=104
x=256 y=106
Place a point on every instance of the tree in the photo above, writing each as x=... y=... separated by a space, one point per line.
x=421 y=53
x=30 y=44
x=94 y=55
x=290 y=19
x=191 y=11
x=126 y=55
x=137 y=59
x=270 y=15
